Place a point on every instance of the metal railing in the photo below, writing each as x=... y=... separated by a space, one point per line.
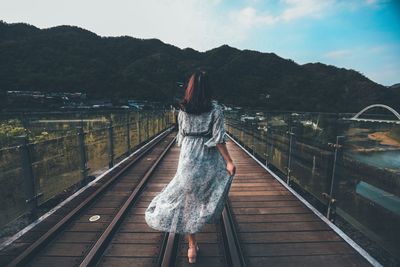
x=346 y=168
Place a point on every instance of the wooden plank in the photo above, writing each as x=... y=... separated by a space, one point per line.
x=133 y=250
x=54 y=261
x=264 y=204
x=78 y=237
x=298 y=249
x=263 y=198
x=136 y=228
x=127 y=261
x=278 y=210
x=305 y=217
x=204 y=237
x=308 y=261
x=142 y=238
x=87 y=227
x=257 y=188
x=108 y=204
x=279 y=237
x=202 y=261
x=206 y=250
x=66 y=249
x=282 y=226
x=260 y=193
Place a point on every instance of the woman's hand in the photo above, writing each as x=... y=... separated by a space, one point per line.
x=231 y=168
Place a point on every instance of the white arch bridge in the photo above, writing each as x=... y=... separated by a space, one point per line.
x=357 y=116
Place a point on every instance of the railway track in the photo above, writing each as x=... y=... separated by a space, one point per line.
x=263 y=223
x=108 y=227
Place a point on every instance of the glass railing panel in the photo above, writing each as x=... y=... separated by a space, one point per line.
x=367 y=180
x=13 y=193
x=97 y=150
x=144 y=125
x=55 y=161
x=311 y=157
x=276 y=126
x=151 y=124
x=120 y=140
x=93 y=120
x=55 y=165
x=133 y=132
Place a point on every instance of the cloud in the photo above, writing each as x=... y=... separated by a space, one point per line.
x=249 y=17
x=292 y=10
x=305 y=8
x=373 y=4
x=379 y=62
x=336 y=54
x=376 y=2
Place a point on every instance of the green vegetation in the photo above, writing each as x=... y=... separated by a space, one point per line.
x=10 y=130
x=71 y=59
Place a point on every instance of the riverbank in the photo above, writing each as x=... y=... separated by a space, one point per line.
x=384 y=138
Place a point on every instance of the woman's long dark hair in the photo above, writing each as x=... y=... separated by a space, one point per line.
x=198 y=93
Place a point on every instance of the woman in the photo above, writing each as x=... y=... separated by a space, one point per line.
x=197 y=193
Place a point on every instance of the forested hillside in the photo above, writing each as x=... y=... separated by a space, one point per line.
x=72 y=59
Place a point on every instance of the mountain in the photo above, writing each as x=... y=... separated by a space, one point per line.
x=395 y=86
x=70 y=59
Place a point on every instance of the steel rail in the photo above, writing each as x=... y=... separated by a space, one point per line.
x=234 y=254
x=169 y=250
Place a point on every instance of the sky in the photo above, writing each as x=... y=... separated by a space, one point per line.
x=363 y=35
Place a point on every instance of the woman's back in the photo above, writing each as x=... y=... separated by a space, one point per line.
x=197 y=122
x=210 y=124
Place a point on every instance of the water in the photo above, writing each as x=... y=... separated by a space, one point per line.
x=382 y=159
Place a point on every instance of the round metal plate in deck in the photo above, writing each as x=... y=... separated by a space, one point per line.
x=94 y=218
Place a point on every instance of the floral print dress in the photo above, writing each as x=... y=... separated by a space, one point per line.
x=197 y=193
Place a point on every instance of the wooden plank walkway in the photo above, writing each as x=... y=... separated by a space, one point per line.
x=273 y=227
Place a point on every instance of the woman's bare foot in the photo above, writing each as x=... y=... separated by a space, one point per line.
x=192 y=252
x=193 y=248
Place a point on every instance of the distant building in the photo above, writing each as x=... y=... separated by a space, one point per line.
x=22 y=99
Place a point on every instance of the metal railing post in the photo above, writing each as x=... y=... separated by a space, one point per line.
x=158 y=123
x=147 y=127
x=331 y=210
x=266 y=145
x=82 y=155
x=29 y=177
x=272 y=138
x=25 y=121
x=292 y=134
x=128 y=135
x=80 y=119
x=253 y=140
x=241 y=138
x=110 y=145
x=138 y=129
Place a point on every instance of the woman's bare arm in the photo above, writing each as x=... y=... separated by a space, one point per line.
x=231 y=168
